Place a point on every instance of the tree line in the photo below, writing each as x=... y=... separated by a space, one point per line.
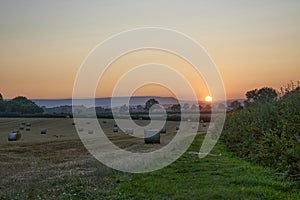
x=20 y=105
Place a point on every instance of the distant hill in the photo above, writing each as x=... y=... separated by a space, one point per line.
x=104 y=102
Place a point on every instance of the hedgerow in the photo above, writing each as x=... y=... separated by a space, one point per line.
x=268 y=133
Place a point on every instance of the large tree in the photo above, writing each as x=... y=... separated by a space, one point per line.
x=23 y=105
x=265 y=94
x=123 y=109
x=150 y=103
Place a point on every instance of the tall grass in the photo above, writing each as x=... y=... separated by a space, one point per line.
x=268 y=133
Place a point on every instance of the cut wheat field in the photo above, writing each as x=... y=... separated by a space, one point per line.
x=56 y=165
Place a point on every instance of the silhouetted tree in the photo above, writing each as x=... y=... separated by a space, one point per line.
x=207 y=108
x=193 y=107
x=176 y=107
x=186 y=106
x=22 y=105
x=235 y=105
x=2 y=103
x=200 y=107
x=123 y=108
x=99 y=109
x=150 y=103
x=290 y=89
x=265 y=94
x=140 y=108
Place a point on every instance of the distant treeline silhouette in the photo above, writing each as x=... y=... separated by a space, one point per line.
x=20 y=105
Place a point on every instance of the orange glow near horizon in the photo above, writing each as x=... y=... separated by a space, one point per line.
x=254 y=44
x=126 y=63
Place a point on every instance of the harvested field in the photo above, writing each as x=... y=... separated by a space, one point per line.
x=57 y=166
x=40 y=160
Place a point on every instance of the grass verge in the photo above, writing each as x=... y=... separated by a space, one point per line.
x=224 y=177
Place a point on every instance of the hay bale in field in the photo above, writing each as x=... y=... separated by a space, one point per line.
x=129 y=131
x=43 y=131
x=90 y=131
x=163 y=130
x=152 y=136
x=14 y=136
x=115 y=129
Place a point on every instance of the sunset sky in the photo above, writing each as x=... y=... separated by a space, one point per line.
x=253 y=43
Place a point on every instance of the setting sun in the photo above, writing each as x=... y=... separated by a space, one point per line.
x=208 y=99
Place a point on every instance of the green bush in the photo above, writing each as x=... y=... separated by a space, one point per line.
x=268 y=133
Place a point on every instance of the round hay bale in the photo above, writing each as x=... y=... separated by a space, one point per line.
x=115 y=129
x=152 y=136
x=43 y=131
x=90 y=131
x=14 y=136
x=129 y=131
x=163 y=130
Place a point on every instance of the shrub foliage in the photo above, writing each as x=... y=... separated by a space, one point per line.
x=268 y=133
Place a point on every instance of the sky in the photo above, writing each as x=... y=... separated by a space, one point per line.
x=43 y=43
